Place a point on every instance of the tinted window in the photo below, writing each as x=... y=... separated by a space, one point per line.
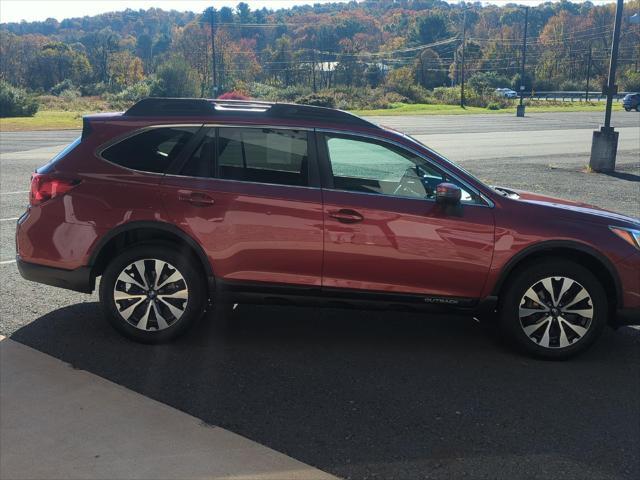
x=371 y=167
x=152 y=150
x=201 y=161
x=263 y=155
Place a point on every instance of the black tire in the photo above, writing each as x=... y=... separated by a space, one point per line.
x=637 y=108
x=192 y=308
x=529 y=277
x=628 y=109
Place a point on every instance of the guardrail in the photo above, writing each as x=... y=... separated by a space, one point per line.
x=594 y=96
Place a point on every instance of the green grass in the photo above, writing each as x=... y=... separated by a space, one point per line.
x=428 y=109
x=43 y=120
x=66 y=120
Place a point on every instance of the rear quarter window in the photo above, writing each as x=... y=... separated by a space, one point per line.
x=151 y=150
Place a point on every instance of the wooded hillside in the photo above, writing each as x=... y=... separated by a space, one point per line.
x=402 y=49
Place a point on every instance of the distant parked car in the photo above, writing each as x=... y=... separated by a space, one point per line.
x=631 y=101
x=506 y=93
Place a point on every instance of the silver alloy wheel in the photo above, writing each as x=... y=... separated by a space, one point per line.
x=556 y=312
x=150 y=294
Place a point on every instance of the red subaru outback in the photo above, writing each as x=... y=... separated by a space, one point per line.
x=177 y=202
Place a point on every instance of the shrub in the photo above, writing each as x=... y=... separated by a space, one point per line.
x=62 y=86
x=94 y=89
x=16 y=102
x=572 y=86
x=493 y=106
x=317 y=100
x=130 y=95
x=70 y=94
x=630 y=81
x=484 y=82
x=234 y=95
x=545 y=85
x=262 y=91
x=175 y=78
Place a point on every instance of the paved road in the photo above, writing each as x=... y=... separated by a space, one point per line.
x=504 y=123
x=371 y=394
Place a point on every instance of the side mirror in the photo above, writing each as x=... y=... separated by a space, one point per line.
x=448 y=194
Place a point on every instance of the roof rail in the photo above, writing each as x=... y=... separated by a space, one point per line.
x=195 y=107
x=169 y=107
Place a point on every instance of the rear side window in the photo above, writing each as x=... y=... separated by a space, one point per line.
x=263 y=155
x=151 y=150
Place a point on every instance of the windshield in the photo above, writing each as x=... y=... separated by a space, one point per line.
x=498 y=190
x=442 y=157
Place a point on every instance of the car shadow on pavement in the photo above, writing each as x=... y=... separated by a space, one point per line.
x=372 y=393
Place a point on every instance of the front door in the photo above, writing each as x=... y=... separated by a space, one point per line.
x=384 y=231
x=249 y=197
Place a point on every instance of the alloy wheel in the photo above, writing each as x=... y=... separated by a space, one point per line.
x=556 y=312
x=150 y=294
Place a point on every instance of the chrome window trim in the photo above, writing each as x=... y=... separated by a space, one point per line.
x=488 y=202
x=307 y=187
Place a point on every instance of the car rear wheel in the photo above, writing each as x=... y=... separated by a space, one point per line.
x=554 y=309
x=152 y=294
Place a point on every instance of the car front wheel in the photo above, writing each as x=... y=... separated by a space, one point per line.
x=554 y=309
x=152 y=294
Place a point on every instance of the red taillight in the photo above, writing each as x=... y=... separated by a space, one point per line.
x=45 y=187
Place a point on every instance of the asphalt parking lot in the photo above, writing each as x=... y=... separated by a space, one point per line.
x=377 y=394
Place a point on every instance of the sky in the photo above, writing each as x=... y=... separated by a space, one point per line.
x=30 y=10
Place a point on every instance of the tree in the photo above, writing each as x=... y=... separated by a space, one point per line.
x=100 y=46
x=193 y=42
x=429 y=28
x=429 y=70
x=57 y=62
x=175 y=79
x=125 y=69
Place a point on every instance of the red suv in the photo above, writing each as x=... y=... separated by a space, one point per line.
x=178 y=202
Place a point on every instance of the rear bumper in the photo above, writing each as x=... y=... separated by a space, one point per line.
x=79 y=280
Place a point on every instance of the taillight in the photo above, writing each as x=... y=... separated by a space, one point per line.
x=44 y=187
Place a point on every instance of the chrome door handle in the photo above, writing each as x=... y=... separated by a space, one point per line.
x=196 y=198
x=346 y=215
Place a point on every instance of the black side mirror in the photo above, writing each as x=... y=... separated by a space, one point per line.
x=448 y=194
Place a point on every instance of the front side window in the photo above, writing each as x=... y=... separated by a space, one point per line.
x=152 y=150
x=263 y=155
x=368 y=166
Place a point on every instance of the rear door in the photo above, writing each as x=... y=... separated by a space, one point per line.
x=251 y=198
x=385 y=232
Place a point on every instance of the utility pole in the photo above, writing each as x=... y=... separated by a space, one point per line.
x=314 y=70
x=214 y=89
x=586 y=95
x=604 y=145
x=464 y=41
x=520 y=108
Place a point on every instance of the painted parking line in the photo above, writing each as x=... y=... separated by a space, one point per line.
x=8 y=219
x=7 y=262
x=14 y=193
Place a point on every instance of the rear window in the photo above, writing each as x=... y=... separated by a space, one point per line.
x=151 y=150
x=67 y=150
x=263 y=155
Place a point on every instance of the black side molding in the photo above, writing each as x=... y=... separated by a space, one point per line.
x=79 y=280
